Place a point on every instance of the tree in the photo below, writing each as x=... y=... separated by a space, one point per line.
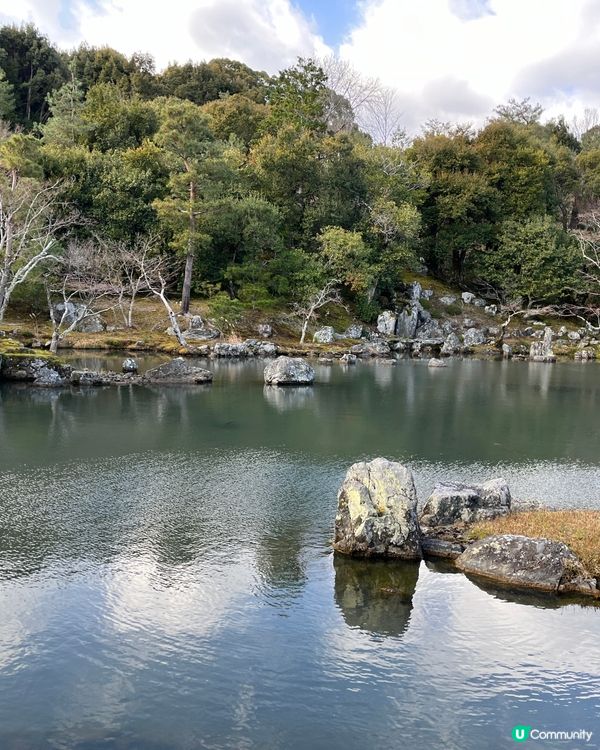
x=326 y=294
x=7 y=98
x=66 y=126
x=297 y=97
x=77 y=289
x=236 y=115
x=521 y=111
x=32 y=215
x=348 y=257
x=33 y=67
x=535 y=260
x=116 y=120
x=198 y=173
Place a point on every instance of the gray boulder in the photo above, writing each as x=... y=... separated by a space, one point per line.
x=289 y=371
x=451 y=345
x=371 y=349
x=541 y=351
x=451 y=503
x=231 y=350
x=434 y=362
x=447 y=300
x=386 y=323
x=348 y=359
x=473 y=337
x=377 y=512
x=48 y=377
x=427 y=293
x=261 y=348
x=129 y=365
x=407 y=322
x=467 y=297
x=355 y=331
x=264 y=330
x=524 y=562
x=178 y=371
x=507 y=351
x=415 y=291
x=491 y=310
x=478 y=302
x=70 y=312
x=325 y=335
x=430 y=330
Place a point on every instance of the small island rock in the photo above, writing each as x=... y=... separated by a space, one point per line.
x=377 y=512
x=178 y=371
x=289 y=371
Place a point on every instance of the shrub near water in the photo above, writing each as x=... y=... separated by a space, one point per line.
x=578 y=529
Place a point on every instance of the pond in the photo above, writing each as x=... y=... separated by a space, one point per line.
x=166 y=580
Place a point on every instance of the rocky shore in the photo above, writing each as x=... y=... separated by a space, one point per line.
x=378 y=516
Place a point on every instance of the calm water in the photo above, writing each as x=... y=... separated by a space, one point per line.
x=166 y=580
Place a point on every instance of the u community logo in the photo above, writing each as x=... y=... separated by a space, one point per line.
x=521 y=733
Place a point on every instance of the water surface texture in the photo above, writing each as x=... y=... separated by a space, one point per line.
x=166 y=580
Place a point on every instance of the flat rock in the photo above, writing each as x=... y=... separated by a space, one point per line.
x=452 y=503
x=525 y=562
x=178 y=371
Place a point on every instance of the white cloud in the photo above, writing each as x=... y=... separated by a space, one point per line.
x=456 y=59
x=265 y=34
x=449 y=59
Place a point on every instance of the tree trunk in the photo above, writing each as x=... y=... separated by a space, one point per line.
x=189 y=261
x=54 y=342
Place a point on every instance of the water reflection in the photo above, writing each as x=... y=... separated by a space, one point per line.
x=375 y=595
x=284 y=399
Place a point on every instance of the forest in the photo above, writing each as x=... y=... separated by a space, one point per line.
x=212 y=180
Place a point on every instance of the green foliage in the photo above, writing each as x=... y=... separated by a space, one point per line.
x=66 y=126
x=535 y=260
x=225 y=311
x=298 y=96
x=115 y=120
x=7 y=98
x=269 y=190
x=33 y=67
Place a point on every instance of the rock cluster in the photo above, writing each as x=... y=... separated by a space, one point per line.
x=377 y=517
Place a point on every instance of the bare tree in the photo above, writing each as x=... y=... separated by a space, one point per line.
x=328 y=293
x=132 y=266
x=76 y=290
x=32 y=217
x=580 y=124
x=155 y=275
x=381 y=116
x=345 y=80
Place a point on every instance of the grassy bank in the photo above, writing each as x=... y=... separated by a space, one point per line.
x=579 y=529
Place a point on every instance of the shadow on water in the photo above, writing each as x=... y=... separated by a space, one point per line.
x=506 y=593
x=375 y=595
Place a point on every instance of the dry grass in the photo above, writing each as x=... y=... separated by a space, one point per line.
x=579 y=529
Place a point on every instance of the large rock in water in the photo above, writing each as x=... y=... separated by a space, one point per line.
x=527 y=563
x=377 y=512
x=451 y=503
x=178 y=371
x=289 y=371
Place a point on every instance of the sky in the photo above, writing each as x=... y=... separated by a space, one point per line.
x=447 y=59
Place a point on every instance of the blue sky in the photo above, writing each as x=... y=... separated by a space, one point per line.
x=334 y=18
